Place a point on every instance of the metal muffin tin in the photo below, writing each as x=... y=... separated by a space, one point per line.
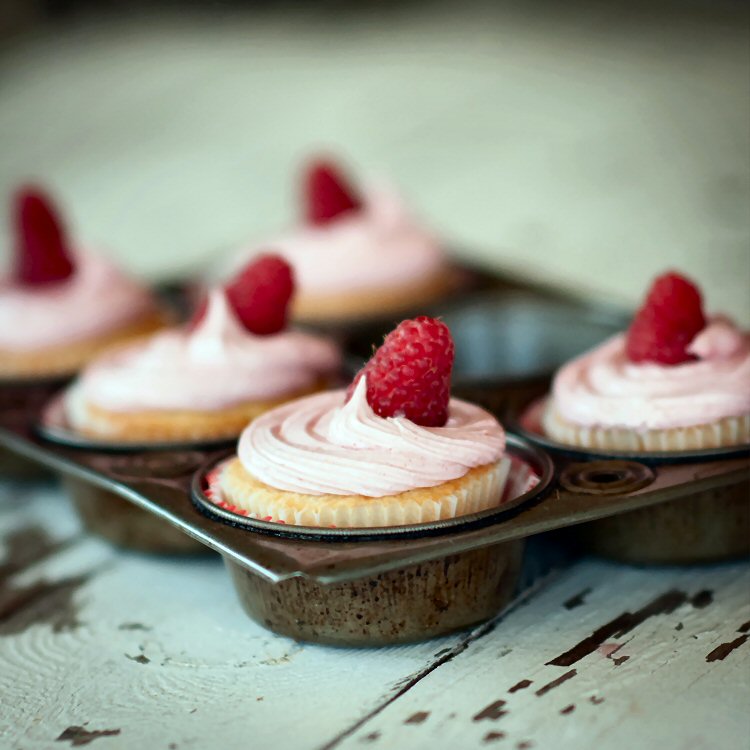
x=700 y=525
x=376 y=586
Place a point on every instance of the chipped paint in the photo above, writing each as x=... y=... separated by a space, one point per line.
x=556 y=682
x=522 y=685
x=492 y=712
x=78 y=736
x=664 y=604
x=723 y=650
x=577 y=600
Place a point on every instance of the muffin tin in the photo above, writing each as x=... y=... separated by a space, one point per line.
x=703 y=526
x=375 y=586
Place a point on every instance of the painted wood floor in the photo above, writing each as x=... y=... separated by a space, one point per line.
x=124 y=650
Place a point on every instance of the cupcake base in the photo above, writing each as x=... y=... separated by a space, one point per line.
x=364 y=304
x=480 y=489
x=725 y=433
x=98 y=423
x=66 y=359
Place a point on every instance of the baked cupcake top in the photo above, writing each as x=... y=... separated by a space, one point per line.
x=351 y=242
x=217 y=362
x=53 y=294
x=672 y=369
x=396 y=429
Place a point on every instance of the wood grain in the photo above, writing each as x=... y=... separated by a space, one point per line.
x=161 y=655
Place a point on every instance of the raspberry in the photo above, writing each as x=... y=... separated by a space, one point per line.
x=42 y=254
x=259 y=295
x=667 y=322
x=327 y=194
x=410 y=374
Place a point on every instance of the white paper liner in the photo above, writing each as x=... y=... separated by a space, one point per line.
x=513 y=478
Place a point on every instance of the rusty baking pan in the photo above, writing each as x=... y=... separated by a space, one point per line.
x=19 y=399
x=104 y=512
x=703 y=524
x=378 y=585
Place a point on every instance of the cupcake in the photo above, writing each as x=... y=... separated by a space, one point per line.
x=359 y=256
x=675 y=381
x=393 y=449
x=206 y=380
x=60 y=305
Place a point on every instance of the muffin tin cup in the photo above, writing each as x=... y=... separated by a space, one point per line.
x=703 y=525
x=107 y=515
x=102 y=511
x=406 y=583
x=17 y=398
x=411 y=603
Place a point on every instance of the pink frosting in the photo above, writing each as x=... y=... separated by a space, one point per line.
x=381 y=245
x=96 y=299
x=602 y=387
x=218 y=364
x=321 y=445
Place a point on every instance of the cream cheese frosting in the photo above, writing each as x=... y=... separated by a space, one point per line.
x=379 y=245
x=219 y=364
x=97 y=298
x=324 y=445
x=603 y=388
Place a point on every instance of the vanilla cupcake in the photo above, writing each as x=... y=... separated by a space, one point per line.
x=675 y=381
x=359 y=257
x=395 y=449
x=206 y=381
x=61 y=306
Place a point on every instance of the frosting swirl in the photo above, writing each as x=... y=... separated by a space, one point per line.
x=218 y=364
x=380 y=245
x=97 y=298
x=322 y=445
x=602 y=387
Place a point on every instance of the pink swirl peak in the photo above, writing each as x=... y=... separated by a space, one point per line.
x=323 y=445
x=379 y=245
x=602 y=387
x=96 y=299
x=219 y=364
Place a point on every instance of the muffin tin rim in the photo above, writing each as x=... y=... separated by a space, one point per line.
x=513 y=421
x=520 y=447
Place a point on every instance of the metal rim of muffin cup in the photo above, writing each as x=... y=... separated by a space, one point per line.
x=519 y=424
x=520 y=448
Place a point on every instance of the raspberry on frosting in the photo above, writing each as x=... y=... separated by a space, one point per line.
x=410 y=374
x=670 y=318
x=328 y=194
x=259 y=295
x=42 y=253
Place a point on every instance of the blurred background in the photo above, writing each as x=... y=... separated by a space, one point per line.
x=586 y=146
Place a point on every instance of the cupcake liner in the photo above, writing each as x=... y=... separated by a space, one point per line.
x=232 y=488
x=725 y=433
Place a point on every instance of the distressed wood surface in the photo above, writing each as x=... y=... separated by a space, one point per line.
x=126 y=650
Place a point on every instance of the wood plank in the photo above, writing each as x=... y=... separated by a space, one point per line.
x=608 y=656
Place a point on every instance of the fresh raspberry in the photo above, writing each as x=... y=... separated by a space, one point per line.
x=259 y=295
x=667 y=322
x=410 y=374
x=42 y=254
x=328 y=194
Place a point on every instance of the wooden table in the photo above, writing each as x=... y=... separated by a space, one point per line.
x=126 y=650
